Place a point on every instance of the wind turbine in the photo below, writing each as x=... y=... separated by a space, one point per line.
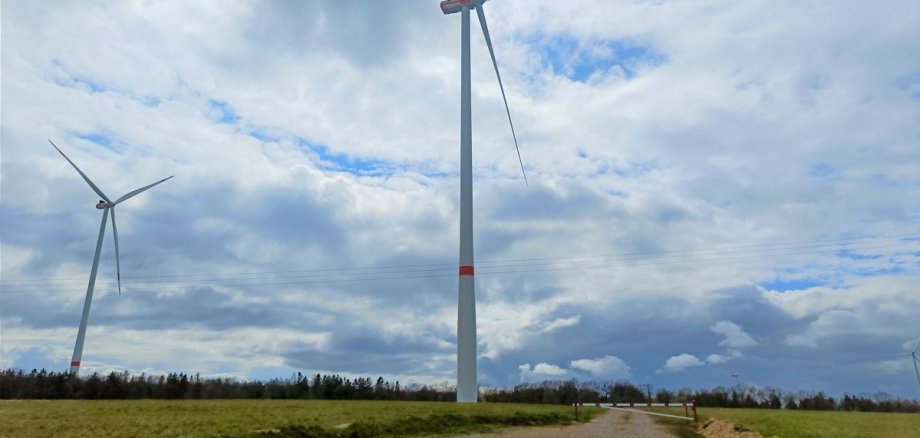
x=105 y=204
x=467 y=389
x=916 y=360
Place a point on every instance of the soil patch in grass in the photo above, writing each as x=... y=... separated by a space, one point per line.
x=725 y=429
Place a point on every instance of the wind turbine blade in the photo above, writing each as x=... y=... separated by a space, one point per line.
x=916 y=346
x=93 y=186
x=485 y=32
x=916 y=368
x=139 y=191
x=117 y=256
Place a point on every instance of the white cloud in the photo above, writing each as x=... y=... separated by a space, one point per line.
x=607 y=367
x=895 y=293
x=548 y=369
x=830 y=323
x=735 y=336
x=508 y=325
x=541 y=371
x=722 y=358
x=680 y=362
x=561 y=322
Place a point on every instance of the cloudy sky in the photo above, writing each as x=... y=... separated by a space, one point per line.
x=716 y=187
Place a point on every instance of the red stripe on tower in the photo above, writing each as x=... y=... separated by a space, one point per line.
x=75 y=363
x=466 y=270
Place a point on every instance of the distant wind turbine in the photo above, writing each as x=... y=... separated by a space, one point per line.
x=916 y=360
x=105 y=204
x=467 y=389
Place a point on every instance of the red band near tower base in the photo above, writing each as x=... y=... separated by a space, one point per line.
x=466 y=270
x=75 y=363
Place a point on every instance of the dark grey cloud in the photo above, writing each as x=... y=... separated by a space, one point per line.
x=540 y=203
x=644 y=332
x=362 y=349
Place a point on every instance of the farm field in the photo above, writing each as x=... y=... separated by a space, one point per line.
x=812 y=424
x=268 y=418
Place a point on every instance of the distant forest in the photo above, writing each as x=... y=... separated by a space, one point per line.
x=42 y=384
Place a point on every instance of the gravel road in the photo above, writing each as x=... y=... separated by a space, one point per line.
x=617 y=424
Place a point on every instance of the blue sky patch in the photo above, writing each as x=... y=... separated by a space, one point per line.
x=151 y=101
x=874 y=272
x=910 y=84
x=99 y=138
x=330 y=160
x=823 y=171
x=580 y=60
x=851 y=254
x=782 y=285
x=882 y=180
x=439 y=175
x=263 y=136
x=65 y=78
x=817 y=82
x=225 y=113
x=75 y=80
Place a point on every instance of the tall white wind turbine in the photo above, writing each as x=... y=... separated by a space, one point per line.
x=467 y=388
x=105 y=204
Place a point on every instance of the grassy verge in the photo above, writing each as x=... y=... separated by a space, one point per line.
x=800 y=424
x=268 y=418
x=819 y=424
x=679 y=428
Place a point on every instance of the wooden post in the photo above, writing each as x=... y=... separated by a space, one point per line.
x=695 y=418
x=576 y=410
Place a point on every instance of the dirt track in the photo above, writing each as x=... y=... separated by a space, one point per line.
x=618 y=424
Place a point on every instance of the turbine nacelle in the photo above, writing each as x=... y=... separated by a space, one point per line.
x=454 y=6
x=102 y=205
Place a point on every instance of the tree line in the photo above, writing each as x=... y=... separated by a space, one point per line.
x=775 y=398
x=42 y=384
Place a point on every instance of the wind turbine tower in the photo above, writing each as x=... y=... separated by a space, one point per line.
x=105 y=204
x=467 y=388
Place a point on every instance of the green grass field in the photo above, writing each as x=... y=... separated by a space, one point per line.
x=266 y=418
x=807 y=424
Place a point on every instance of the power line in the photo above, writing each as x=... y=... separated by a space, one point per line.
x=499 y=263
x=550 y=265
x=484 y=267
